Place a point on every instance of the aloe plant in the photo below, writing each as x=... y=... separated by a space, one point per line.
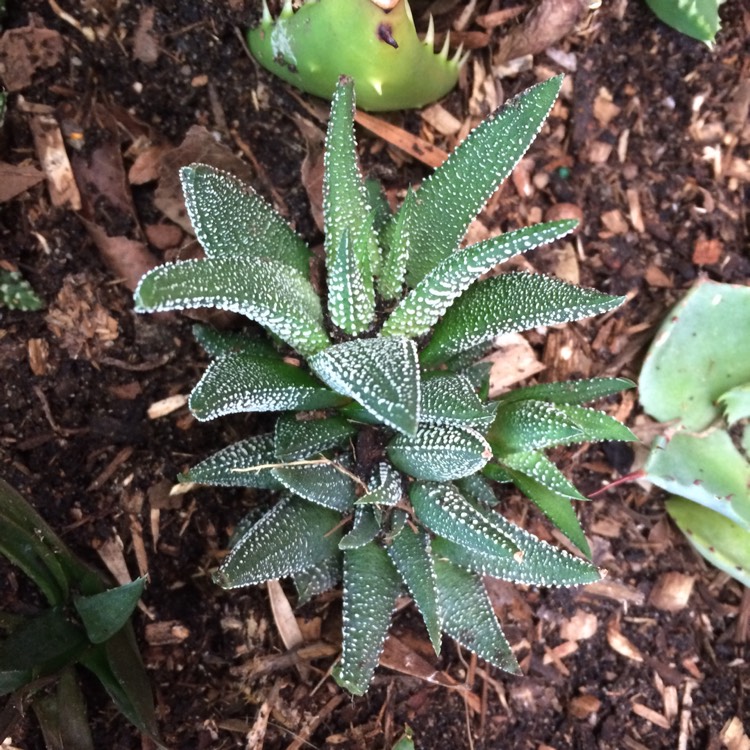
x=383 y=454
x=696 y=18
x=696 y=378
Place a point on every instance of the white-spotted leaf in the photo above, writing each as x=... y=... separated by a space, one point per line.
x=385 y=487
x=364 y=529
x=318 y=578
x=452 y=400
x=568 y=391
x=326 y=484
x=381 y=374
x=508 y=303
x=295 y=438
x=395 y=240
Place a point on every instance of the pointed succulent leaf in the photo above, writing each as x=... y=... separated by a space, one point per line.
x=468 y=617
x=595 y=425
x=381 y=374
x=266 y=291
x=722 y=542
x=530 y=425
x=439 y=452
x=736 y=403
x=542 y=564
x=452 y=400
x=385 y=487
x=291 y=537
x=410 y=552
x=318 y=578
x=696 y=18
x=243 y=383
x=371 y=586
x=218 y=343
x=105 y=613
x=479 y=377
x=295 y=439
x=228 y=467
x=568 y=391
x=325 y=484
x=456 y=192
x=364 y=529
x=508 y=303
x=396 y=522
x=445 y=512
x=496 y=473
x=350 y=243
x=548 y=488
x=246 y=522
x=436 y=292
x=477 y=488
x=378 y=202
x=231 y=220
x=394 y=237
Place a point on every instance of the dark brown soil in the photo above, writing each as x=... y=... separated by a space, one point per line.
x=651 y=142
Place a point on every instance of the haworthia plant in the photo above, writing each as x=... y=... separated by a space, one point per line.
x=380 y=453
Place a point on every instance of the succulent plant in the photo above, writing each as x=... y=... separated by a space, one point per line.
x=16 y=293
x=373 y=41
x=385 y=445
x=696 y=18
x=696 y=378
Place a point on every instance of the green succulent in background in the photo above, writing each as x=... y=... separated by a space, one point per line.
x=87 y=624
x=696 y=377
x=15 y=292
x=385 y=446
x=695 y=18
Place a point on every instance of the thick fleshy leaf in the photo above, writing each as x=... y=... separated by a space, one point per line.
x=291 y=537
x=231 y=220
x=371 y=585
x=265 y=290
x=295 y=438
x=106 y=613
x=736 y=403
x=350 y=242
x=445 y=512
x=496 y=473
x=530 y=425
x=381 y=374
x=410 y=552
x=468 y=617
x=476 y=487
x=364 y=529
x=218 y=343
x=568 y=391
x=456 y=192
x=386 y=487
x=243 y=382
x=395 y=239
x=440 y=453
x=230 y=466
x=437 y=291
x=595 y=425
x=318 y=578
x=452 y=400
x=548 y=488
x=325 y=484
x=508 y=303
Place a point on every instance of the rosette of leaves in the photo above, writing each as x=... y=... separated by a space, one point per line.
x=385 y=444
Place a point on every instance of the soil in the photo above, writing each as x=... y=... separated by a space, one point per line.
x=650 y=141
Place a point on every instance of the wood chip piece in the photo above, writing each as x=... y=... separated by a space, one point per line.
x=166 y=406
x=165 y=633
x=733 y=735
x=582 y=706
x=16 y=179
x=50 y=149
x=581 y=626
x=671 y=591
x=38 y=352
x=620 y=644
x=650 y=715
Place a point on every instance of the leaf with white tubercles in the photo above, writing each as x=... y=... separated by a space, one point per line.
x=452 y=400
x=218 y=343
x=439 y=452
x=385 y=487
x=410 y=552
x=295 y=438
x=549 y=489
x=476 y=487
x=318 y=578
x=395 y=240
x=445 y=512
x=325 y=484
x=509 y=303
x=594 y=425
x=243 y=383
x=530 y=425
x=455 y=193
x=221 y=469
x=371 y=585
x=290 y=538
x=468 y=617
x=437 y=291
x=265 y=290
x=568 y=391
x=542 y=564
x=364 y=529
x=350 y=243
x=231 y=220
x=381 y=374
